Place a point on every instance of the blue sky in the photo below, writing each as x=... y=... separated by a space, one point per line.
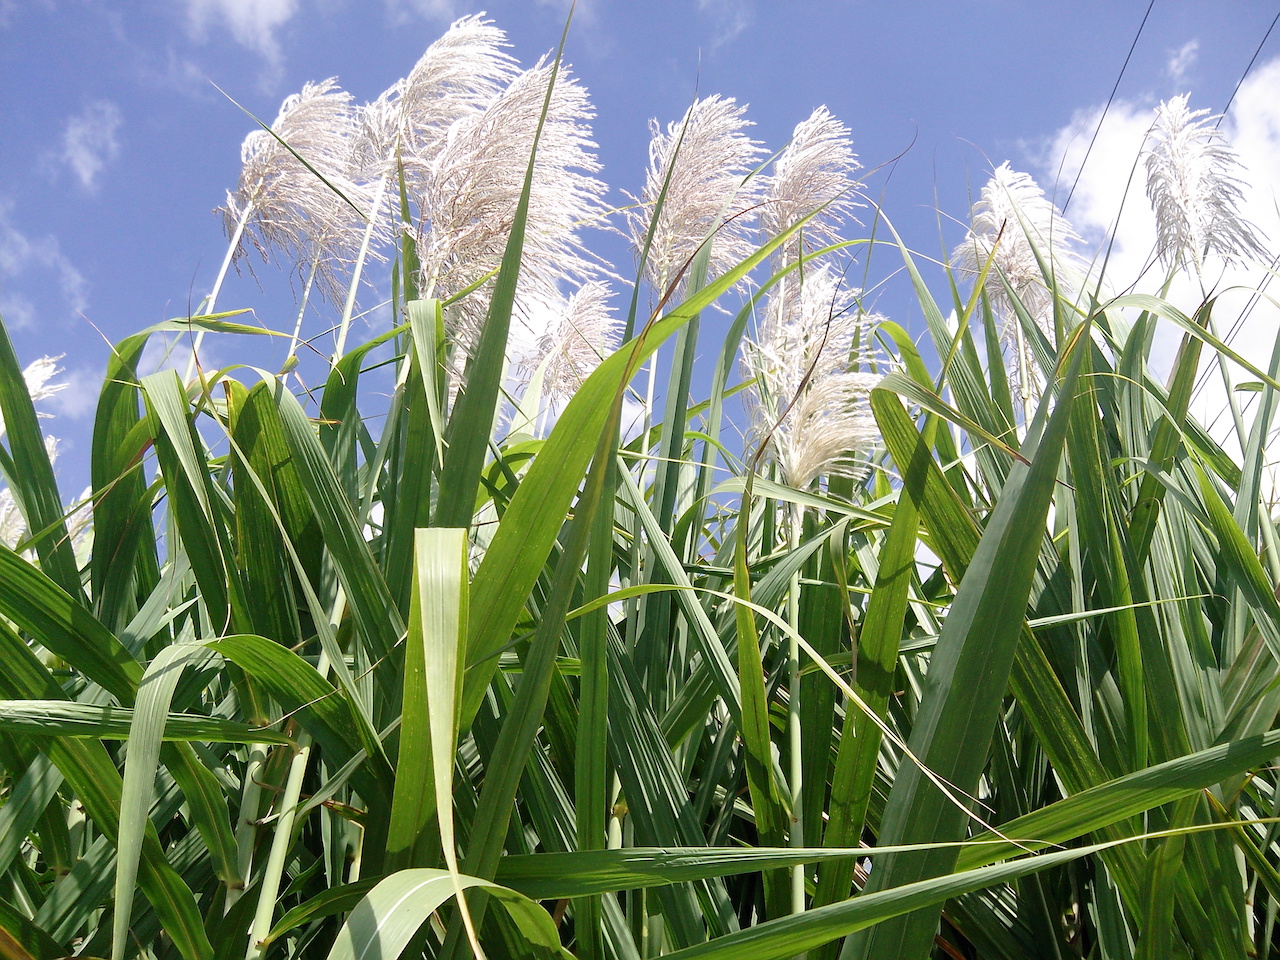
x=116 y=147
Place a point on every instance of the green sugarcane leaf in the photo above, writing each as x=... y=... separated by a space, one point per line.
x=29 y=472
x=798 y=933
x=146 y=733
x=382 y=924
x=877 y=657
x=968 y=677
x=64 y=718
x=375 y=612
x=90 y=772
x=40 y=607
x=535 y=515
x=23 y=939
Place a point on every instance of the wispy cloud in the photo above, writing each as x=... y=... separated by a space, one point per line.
x=252 y=23
x=18 y=311
x=1182 y=60
x=728 y=18
x=25 y=258
x=91 y=140
x=584 y=11
x=440 y=10
x=10 y=9
x=592 y=37
x=80 y=397
x=172 y=351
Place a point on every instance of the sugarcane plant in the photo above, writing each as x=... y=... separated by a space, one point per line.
x=480 y=634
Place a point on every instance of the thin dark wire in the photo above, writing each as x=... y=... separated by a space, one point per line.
x=1098 y=128
x=1252 y=60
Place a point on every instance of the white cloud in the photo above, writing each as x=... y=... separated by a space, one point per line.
x=253 y=23
x=182 y=74
x=584 y=11
x=80 y=396
x=1182 y=60
x=18 y=311
x=90 y=141
x=41 y=260
x=441 y=10
x=171 y=351
x=9 y=9
x=728 y=18
x=1114 y=178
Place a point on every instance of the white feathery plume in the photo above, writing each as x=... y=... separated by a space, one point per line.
x=80 y=524
x=37 y=375
x=577 y=333
x=468 y=191
x=13 y=526
x=817 y=167
x=806 y=364
x=285 y=207
x=703 y=160
x=1013 y=202
x=458 y=75
x=1193 y=190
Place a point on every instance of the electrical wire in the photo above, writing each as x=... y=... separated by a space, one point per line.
x=1098 y=128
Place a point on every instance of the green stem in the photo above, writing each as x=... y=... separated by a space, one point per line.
x=281 y=841
x=247 y=824
x=796 y=775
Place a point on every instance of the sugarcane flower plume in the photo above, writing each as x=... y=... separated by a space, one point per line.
x=816 y=171
x=458 y=75
x=1030 y=231
x=1193 y=189
x=704 y=162
x=567 y=337
x=284 y=206
x=468 y=193
x=809 y=403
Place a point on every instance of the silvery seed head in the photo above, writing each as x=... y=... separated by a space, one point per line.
x=568 y=337
x=458 y=75
x=468 y=192
x=1030 y=231
x=287 y=207
x=1193 y=189
x=809 y=402
x=814 y=172
x=703 y=161
x=13 y=527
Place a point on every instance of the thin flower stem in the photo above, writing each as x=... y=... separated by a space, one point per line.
x=341 y=343
x=1024 y=368
x=212 y=299
x=302 y=309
